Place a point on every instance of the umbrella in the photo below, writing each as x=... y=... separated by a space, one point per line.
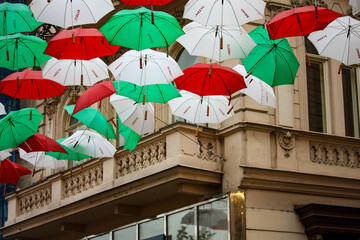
x=94 y=94
x=15 y=18
x=40 y=142
x=90 y=143
x=161 y=93
x=216 y=42
x=146 y=2
x=339 y=40
x=70 y=155
x=93 y=119
x=18 y=126
x=4 y=154
x=136 y=30
x=300 y=21
x=210 y=79
x=355 y=6
x=21 y=51
x=66 y=13
x=257 y=89
x=130 y=136
x=273 y=61
x=30 y=85
x=137 y=116
x=11 y=172
x=224 y=12
x=84 y=44
x=70 y=72
x=2 y=109
x=198 y=109
x=145 y=67
x=40 y=159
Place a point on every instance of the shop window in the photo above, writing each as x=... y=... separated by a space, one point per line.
x=128 y=233
x=180 y=225
x=151 y=229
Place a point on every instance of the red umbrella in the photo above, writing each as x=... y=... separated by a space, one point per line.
x=94 y=94
x=11 y=172
x=146 y=2
x=84 y=44
x=300 y=21
x=30 y=85
x=39 y=143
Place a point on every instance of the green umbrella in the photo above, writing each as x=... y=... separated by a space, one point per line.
x=131 y=137
x=93 y=119
x=161 y=93
x=21 y=51
x=15 y=18
x=135 y=29
x=273 y=61
x=71 y=155
x=18 y=126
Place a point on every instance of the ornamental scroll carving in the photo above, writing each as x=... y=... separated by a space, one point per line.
x=141 y=158
x=336 y=155
x=287 y=142
x=35 y=200
x=83 y=181
x=206 y=149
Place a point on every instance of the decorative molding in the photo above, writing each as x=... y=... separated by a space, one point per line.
x=336 y=155
x=287 y=142
x=36 y=199
x=51 y=106
x=206 y=152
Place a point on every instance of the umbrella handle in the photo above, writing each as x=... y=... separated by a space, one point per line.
x=28 y=146
x=112 y=120
x=221 y=42
x=207 y=111
x=76 y=144
x=31 y=114
x=82 y=79
x=228 y=112
x=99 y=104
x=308 y=60
x=141 y=65
x=33 y=172
x=316 y=11
x=17 y=80
x=229 y=101
x=48 y=1
x=197 y=131
x=145 y=114
x=144 y=99
x=248 y=74
x=7 y=55
x=73 y=37
x=340 y=67
x=210 y=70
x=73 y=97
x=152 y=17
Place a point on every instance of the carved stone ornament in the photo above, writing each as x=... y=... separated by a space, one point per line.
x=287 y=142
x=34 y=200
x=206 y=149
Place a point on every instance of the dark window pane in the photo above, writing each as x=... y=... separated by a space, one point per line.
x=348 y=102
x=315 y=101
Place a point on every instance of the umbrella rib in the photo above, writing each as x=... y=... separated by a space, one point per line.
x=87 y=6
x=280 y=54
x=134 y=18
x=223 y=82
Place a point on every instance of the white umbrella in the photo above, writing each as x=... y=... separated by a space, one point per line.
x=70 y=72
x=40 y=159
x=216 y=42
x=4 y=154
x=224 y=12
x=89 y=143
x=66 y=13
x=339 y=40
x=257 y=89
x=355 y=6
x=2 y=109
x=198 y=109
x=157 y=67
x=137 y=116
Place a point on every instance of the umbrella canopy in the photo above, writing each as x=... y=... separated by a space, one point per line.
x=273 y=61
x=4 y=154
x=93 y=119
x=355 y=6
x=80 y=43
x=69 y=72
x=30 y=85
x=161 y=93
x=136 y=30
x=90 y=143
x=40 y=159
x=339 y=40
x=145 y=67
x=210 y=79
x=130 y=136
x=198 y=109
x=137 y=116
x=70 y=155
x=21 y=51
x=18 y=126
x=2 y=109
x=300 y=21
x=224 y=12
x=11 y=172
x=11 y=13
x=257 y=89
x=40 y=142
x=146 y=2
x=216 y=42
x=66 y=13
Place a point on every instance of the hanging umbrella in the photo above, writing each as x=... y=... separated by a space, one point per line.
x=5 y=154
x=70 y=155
x=84 y=44
x=66 y=13
x=300 y=21
x=15 y=18
x=2 y=109
x=136 y=29
x=21 y=51
x=11 y=172
x=70 y=72
x=257 y=89
x=161 y=93
x=30 y=85
x=93 y=119
x=40 y=159
x=130 y=136
x=339 y=40
x=18 y=126
x=216 y=42
x=224 y=12
x=198 y=109
x=355 y=6
x=273 y=61
x=137 y=116
x=40 y=142
x=210 y=79
x=90 y=143
x=146 y=2
x=145 y=67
